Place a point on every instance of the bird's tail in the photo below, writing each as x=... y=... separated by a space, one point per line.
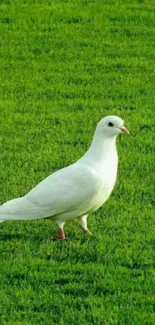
x=22 y=209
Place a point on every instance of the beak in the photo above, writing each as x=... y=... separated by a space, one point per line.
x=124 y=130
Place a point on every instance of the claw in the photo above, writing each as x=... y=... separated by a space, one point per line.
x=89 y=232
x=58 y=238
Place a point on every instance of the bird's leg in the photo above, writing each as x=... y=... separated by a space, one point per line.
x=82 y=221
x=61 y=234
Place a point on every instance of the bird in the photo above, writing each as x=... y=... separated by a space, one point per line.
x=75 y=191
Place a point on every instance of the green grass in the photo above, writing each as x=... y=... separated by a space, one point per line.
x=64 y=65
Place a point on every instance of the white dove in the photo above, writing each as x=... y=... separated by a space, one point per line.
x=73 y=192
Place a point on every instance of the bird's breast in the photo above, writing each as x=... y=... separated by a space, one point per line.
x=107 y=174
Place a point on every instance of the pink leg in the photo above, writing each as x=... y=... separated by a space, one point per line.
x=61 y=234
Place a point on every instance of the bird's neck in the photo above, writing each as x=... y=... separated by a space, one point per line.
x=101 y=149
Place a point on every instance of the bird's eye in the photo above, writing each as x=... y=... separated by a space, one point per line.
x=110 y=124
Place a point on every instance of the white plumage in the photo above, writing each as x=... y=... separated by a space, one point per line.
x=77 y=190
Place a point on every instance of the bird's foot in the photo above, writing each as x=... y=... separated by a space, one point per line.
x=58 y=238
x=61 y=235
x=88 y=231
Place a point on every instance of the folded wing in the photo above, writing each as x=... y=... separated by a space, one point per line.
x=71 y=188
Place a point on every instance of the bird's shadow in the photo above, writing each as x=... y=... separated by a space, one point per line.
x=10 y=236
x=24 y=232
x=35 y=234
x=26 y=236
x=40 y=237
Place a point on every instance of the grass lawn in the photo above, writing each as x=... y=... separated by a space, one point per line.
x=64 y=65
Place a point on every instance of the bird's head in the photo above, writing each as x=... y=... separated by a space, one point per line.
x=112 y=126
